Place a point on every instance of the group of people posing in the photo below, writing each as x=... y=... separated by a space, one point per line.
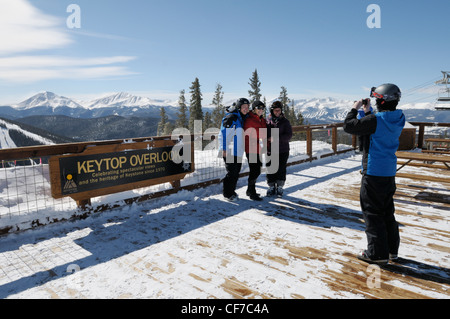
x=245 y=129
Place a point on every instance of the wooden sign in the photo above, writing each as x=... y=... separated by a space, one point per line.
x=103 y=170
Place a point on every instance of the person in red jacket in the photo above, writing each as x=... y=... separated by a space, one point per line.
x=255 y=128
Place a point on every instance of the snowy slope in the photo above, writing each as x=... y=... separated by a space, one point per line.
x=7 y=142
x=5 y=139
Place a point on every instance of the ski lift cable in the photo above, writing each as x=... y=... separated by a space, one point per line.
x=425 y=83
x=422 y=98
x=418 y=92
x=421 y=86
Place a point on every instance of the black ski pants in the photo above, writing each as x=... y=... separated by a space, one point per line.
x=233 y=168
x=279 y=177
x=377 y=205
x=254 y=164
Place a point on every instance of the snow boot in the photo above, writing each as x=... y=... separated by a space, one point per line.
x=279 y=191
x=271 y=191
x=234 y=197
x=251 y=192
x=365 y=257
x=279 y=188
x=393 y=257
x=256 y=197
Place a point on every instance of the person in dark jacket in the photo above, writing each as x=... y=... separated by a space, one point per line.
x=276 y=176
x=231 y=145
x=379 y=140
x=255 y=127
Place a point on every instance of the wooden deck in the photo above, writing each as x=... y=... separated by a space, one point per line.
x=425 y=275
x=300 y=246
x=425 y=160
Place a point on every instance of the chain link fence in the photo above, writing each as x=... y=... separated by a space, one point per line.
x=25 y=190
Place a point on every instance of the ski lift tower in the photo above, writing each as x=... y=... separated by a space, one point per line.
x=443 y=100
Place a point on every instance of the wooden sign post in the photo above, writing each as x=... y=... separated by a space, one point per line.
x=103 y=170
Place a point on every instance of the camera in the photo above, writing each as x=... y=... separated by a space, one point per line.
x=365 y=101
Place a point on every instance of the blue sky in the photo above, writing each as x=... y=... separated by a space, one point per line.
x=155 y=48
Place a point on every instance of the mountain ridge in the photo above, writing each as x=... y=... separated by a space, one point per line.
x=315 y=110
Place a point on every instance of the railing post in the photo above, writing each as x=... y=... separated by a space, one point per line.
x=354 y=140
x=421 y=135
x=176 y=184
x=82 y=204
x=309 y=142
x=334 y=133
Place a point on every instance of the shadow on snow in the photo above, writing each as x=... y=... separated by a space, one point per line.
x=139 y=226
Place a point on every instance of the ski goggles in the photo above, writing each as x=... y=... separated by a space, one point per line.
x=386 y=97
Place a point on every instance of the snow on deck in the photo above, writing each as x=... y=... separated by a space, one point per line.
x=196 y=245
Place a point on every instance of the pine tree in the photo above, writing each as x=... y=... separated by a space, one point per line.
x=288 y=112
x=162 y=122
x=219 y=111
x=301 y=119
x=267 y=106
x=195 y=109
x=182 y=120
x=207 y=123
x=284 y=98
x=291 y=114
x=168 y=128
x=255 y=84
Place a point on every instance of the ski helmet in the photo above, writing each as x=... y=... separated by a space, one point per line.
x=276 y=105
x=237 y=105
x=258 y=105
x=387 y=92
x=387 y=96
x=241 y=102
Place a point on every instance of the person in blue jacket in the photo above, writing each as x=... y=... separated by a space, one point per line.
x=231 y=145
x=379 y=134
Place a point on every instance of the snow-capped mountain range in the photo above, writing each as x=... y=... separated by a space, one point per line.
x=46 y=99
x=315 y=110
x=123 y=104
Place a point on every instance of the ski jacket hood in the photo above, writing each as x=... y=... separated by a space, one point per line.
x=231 y=135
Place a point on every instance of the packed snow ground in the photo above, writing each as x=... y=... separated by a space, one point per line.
x=197 y=245
x=25 y=191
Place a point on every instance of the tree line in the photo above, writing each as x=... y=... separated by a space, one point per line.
x=214 y=118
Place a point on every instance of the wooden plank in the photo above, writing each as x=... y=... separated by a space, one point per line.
x=438 y=140
x=422 y=157
x=418 y=164
x=424 y=177
x=436 y=152
x=68 y=148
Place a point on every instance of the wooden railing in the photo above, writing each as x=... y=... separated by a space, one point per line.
x=422 y=125
x=42 y=154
